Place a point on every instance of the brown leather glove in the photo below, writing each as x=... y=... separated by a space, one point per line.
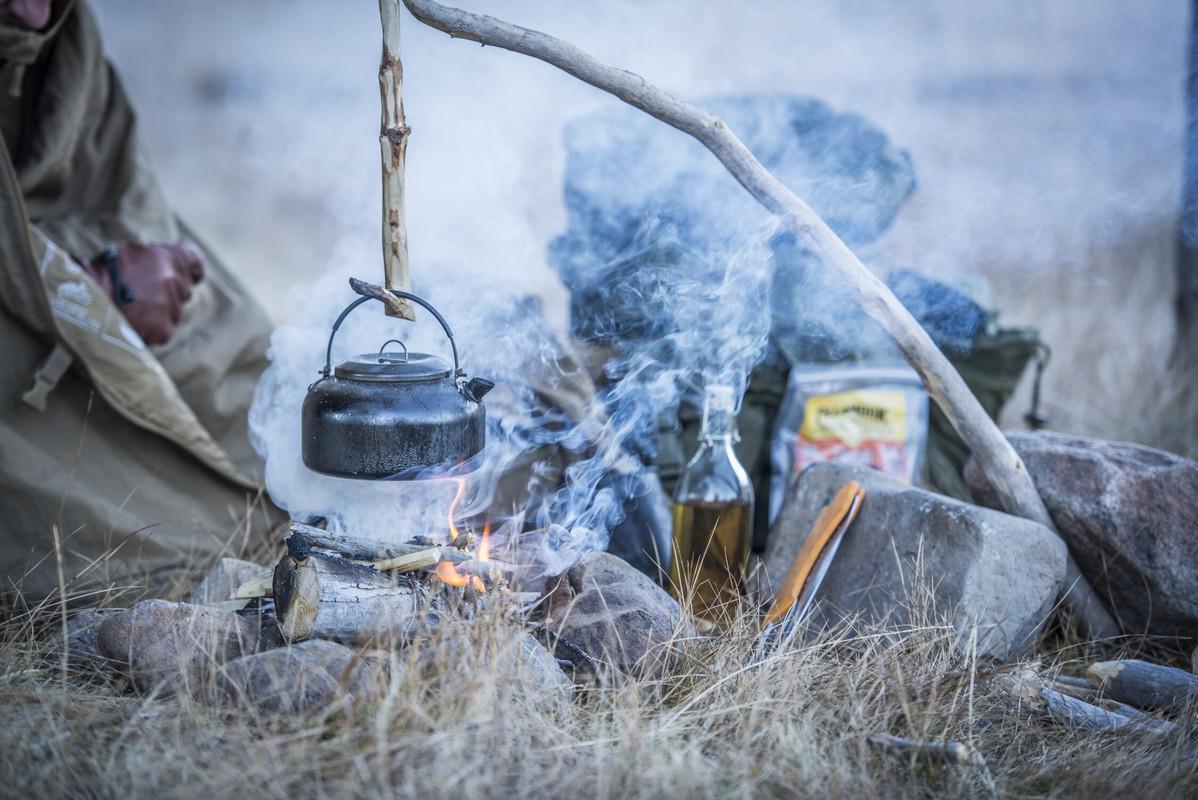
x=160 y=277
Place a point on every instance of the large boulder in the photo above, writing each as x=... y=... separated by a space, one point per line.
x=175 y=646
x=1130 y=517
x=302 y=678
x=606 y=613
x=987 y=571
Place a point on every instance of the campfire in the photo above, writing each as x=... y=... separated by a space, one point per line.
x=355 y=589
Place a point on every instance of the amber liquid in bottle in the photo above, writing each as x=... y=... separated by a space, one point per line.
x=713 y=517
x=711 y=554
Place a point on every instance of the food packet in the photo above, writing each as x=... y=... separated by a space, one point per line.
x=876 y=415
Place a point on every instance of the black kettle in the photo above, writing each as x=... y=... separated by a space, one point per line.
x=393 y=415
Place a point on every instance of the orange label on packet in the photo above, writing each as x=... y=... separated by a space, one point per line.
x=864 y=426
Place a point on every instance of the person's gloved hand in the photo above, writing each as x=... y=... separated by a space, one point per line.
x=160 y=276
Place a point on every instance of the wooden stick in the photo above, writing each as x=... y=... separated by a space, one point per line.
x=931 y=752
x=1032 y=691
x=1077 y=713
x=1074 y=687
x=492 y=573
x=421 y=559
x=393 y=145
x=999 y=462
x=474 y=566
x=354 y=547
x=258 y=586
x=1146 y=685
x=390 y=300
x=1072 y=682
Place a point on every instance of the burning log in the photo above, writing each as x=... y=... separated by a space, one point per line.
x=359 y=603
x=930 y=752
x=296 y=589
x=1146 y=685
x=325 y=596
x=492 y=572
x=354 y=547
x=384 y=556
x=1002 y=466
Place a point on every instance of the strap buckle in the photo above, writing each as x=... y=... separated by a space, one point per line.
x=47 y=377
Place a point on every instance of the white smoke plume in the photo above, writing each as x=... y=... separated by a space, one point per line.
x=1036 y=131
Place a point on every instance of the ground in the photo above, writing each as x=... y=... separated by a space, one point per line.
x=794 y=725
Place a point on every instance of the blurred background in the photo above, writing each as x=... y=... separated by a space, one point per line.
x=1047 y=141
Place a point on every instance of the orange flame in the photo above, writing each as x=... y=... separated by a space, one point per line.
x=446 y=571
x=484 y=547
x=458 y=494
x=451 y=575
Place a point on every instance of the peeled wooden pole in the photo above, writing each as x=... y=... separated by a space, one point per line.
x=393 y=145
x=997 y=459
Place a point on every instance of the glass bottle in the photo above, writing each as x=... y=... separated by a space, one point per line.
x=713 y=516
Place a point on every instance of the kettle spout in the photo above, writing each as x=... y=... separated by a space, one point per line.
x=477 y=388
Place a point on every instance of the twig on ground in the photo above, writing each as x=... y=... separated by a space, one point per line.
x=930 y=752
x=1032 y=691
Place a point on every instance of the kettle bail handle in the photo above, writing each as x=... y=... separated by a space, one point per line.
x=371 y=292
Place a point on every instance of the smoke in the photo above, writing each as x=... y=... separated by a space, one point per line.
x=556 y=444
x=1037 y=132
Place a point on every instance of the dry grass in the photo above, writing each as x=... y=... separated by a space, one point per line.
x=456 y=726
x=793 y=726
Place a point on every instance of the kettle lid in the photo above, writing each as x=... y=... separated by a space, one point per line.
x=392 y=367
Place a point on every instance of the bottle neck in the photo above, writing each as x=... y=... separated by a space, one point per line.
x=719 y=419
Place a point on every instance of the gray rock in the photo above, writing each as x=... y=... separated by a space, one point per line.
x=174 y=645
x=224 y=579
x=505 y=664
x=537 y=676
x=310 y=676
x=613 y=614
x=984 y=568
x=1130 y=517
x=81 y=646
